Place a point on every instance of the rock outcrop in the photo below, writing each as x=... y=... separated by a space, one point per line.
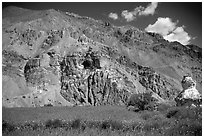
x=189 y=95
x=87 y=83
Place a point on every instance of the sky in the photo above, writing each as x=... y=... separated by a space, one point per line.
x=175 y=21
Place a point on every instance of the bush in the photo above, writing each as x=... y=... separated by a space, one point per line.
x=53 y=123
x=140 y=101
x=184 y=113
x=188 y=121
x=75 y=124
x=163 y=107
x=92 y=124
x=7 y=127
x=186 y=127
x=147 y=115
x=105 y=125
x=111 y=124
x=135 y=126
x=35 y=126
x=116 y=125
x=151 y=126
x=31 y=125
x=48 y=105
x=171 y=113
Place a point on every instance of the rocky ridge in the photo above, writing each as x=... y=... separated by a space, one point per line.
x=56 y=58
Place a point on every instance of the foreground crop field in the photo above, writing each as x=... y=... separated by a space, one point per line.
x=68 y=113
x=102 y=120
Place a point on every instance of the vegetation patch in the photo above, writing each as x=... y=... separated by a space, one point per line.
x=175 y=121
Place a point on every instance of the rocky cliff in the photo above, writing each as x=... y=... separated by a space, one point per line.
x=55 y=58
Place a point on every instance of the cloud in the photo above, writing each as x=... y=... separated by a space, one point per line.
x=139 y=11
x=129 y=16
x=169 y=30
x=179 y=35
x=113 y=16
x=162 y=26
x=150 y=9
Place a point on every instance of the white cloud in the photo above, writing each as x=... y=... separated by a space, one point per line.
x=150 y=9
x=162 y=26
x=169 y=30
x=129 y=16
x=179 y=35
x=139 y=11
x=113 y=16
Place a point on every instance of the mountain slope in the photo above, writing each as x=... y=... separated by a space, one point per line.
x=56 y=58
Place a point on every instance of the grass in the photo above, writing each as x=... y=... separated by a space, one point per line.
x=184 y=113
x=186 y=127
x=188 y=121
x=175 y=121
x=76 y=126
x=7 y=127
x=21 y=115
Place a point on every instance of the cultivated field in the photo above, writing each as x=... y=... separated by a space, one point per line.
x=102 y=120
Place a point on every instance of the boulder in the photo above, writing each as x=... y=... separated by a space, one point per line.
x=189 y=95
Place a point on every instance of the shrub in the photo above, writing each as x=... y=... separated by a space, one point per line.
x=92 y=124
x=7 y=127
x=151 y=115
x=111 y=124
x=188 y=121
x=105 y=125
x=75 y=124
x=171 y=113
x=151 y=126
x=155 y=124
x=115 y=125
x=35 y=126
x=32 y=125
x=53 y=123
x=140 y=100
x=135 y=126
x=183 y=113
x=186 y=127
x=163 y=107
x=48 y=105
x=146 y=116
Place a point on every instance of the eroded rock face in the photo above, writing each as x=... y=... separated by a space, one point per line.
x=189 y=95
x=85 y=82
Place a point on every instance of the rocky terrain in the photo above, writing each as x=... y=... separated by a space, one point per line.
x=189 y=95
x=54 y=58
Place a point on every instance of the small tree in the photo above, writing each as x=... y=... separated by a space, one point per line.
x=140 y=100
